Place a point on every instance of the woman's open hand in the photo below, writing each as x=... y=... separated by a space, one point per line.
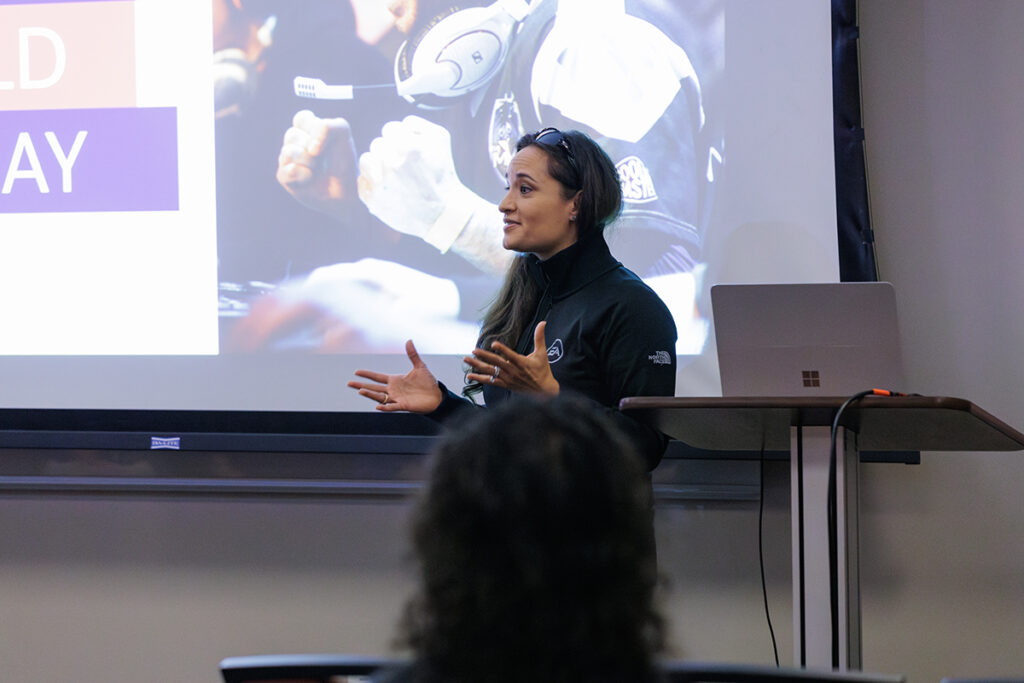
x=416 y=391
x=503 y=367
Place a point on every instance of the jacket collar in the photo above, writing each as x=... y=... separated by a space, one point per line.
x=574 y=267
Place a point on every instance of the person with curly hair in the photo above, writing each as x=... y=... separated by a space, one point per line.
x=534 y=552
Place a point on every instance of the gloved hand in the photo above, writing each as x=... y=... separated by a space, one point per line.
x=366 y=306
x=408 y=180
x=317 y=163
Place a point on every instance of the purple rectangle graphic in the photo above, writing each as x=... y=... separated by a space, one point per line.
x=64 y=160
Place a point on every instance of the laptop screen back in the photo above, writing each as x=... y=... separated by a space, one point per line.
x=822 y=339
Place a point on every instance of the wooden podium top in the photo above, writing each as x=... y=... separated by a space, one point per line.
x=903 y=423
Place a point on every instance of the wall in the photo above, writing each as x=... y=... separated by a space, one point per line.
x=944 y=542
x=160 y=588
x=119 y=588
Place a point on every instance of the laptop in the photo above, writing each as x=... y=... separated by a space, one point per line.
x=820 y=339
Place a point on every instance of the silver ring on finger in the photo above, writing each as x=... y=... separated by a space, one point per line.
x=497 y=371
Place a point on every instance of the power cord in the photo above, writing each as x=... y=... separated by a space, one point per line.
x=833 y=540
x=760 y=556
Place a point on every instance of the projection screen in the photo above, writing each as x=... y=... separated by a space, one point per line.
x=176 y=235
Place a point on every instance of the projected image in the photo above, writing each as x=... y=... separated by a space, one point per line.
x=235 y=204
x=361 y=150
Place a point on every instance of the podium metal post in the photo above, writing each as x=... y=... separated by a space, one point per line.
x=809 y=484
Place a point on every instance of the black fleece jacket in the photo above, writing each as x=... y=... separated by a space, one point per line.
x=609 y=336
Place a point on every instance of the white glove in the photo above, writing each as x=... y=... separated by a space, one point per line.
x=386 y=301
x=370 y=306
x=407 y=179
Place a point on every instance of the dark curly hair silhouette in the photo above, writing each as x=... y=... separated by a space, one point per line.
x=534 y=545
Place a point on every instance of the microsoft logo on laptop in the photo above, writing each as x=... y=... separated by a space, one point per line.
x=811 y=378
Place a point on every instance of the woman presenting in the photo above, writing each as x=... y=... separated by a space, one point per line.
x=569 y=317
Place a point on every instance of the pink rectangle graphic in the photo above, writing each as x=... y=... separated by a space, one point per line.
x=70 y=55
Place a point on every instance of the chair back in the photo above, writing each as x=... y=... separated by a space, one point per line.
x=715 y=672
x=335 y=668
x=312 y=668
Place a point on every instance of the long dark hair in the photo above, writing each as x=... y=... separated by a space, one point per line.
x=533 y=539
x=580 y=166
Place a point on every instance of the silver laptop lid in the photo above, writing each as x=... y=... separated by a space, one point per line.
x=827 y=339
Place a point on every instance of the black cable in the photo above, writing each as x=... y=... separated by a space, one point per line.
x=760 y=556
x=833 y=540
x=801 y=558
x=833 y=515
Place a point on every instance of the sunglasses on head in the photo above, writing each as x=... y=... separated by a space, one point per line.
x=553 y=137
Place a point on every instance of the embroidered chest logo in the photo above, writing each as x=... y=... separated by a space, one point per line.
x=555 y=351
x=658 y=358
x=636 y=181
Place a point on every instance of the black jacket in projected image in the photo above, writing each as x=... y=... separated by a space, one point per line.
x=609 y=337
x=654 y=146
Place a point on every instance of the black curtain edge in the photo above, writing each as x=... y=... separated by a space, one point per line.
x=857 y=261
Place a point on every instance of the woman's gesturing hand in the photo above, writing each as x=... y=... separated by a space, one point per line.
x=416 y=391
x=503 y=367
